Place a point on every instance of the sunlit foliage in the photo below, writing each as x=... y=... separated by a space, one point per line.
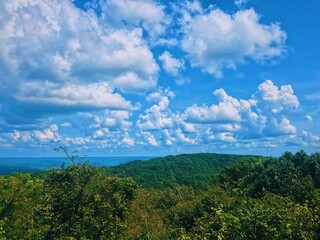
x=248 y=198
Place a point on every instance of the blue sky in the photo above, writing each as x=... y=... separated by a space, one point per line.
x=147 y=77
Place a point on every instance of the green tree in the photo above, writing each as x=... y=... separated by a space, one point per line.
x=20 y=196
x=81 y=202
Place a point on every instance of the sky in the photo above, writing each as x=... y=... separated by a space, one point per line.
x=153 y=78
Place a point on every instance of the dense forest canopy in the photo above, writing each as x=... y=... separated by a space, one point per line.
x=196 y=196
x=194 y=170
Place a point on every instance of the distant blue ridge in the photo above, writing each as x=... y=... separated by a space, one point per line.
x=10 y=165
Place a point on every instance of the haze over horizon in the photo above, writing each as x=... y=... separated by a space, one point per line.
x=152 y=78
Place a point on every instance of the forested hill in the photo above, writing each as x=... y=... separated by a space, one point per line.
x=194 y=170
x=252 y=198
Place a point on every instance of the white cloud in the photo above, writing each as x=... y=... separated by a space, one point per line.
x=228 y=109
x=95 y=95
x=66 y=124
x=54 y=44
x=275 y=127
x=265 y=116
x=128 y=140
x=151 y=140
x=272 y=102
x=158 y=116
x=241 y=3
x=15 y=135
x=53 y=39
x=189 y=127
x=216 y=40
x=131 y=82
x=262 y=115
x=160 y=95
x=167 y=136
x=215 y=113
x=183 y=138
x=229 y=127
x=226 y=137
x=310 y=139
x=54 y=128
x=287 y=127
x=115 y=120
x=20 y=136
x=98 y=134
x=270 y=98
x=309 y=118
x=194 y=6
x=78 y=141
x=170 y=64
x=122 y=119
x=59 y=59
x=47 y=135
x=147 y=14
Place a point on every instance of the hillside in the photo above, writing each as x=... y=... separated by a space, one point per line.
x=194 y=170
x=250 y=198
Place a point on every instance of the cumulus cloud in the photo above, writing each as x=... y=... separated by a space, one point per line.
x=127 y=140
x=183 y=138
x=49 y=40
x=131 y=83
x=270 y=98
x=158 y=116
x=148 y=14
x=98 y=134
x=149 y=137
x=23 y=136
x=228 y=109
x=188 y=127
x=272 y=103
x=54 y=128
x=62 y=48
x=276 y=126
x=170 y=64
x=262 y=115
x=193 y=6
x=48 y=135
x=115 y=120
x=216 y=40
x=230 y=121
x=226 y=137
x=168 y=138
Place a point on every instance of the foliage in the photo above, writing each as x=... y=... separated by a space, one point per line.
x=20 y=197
x=195 y=170
x=254 y=198
x=293 y=176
